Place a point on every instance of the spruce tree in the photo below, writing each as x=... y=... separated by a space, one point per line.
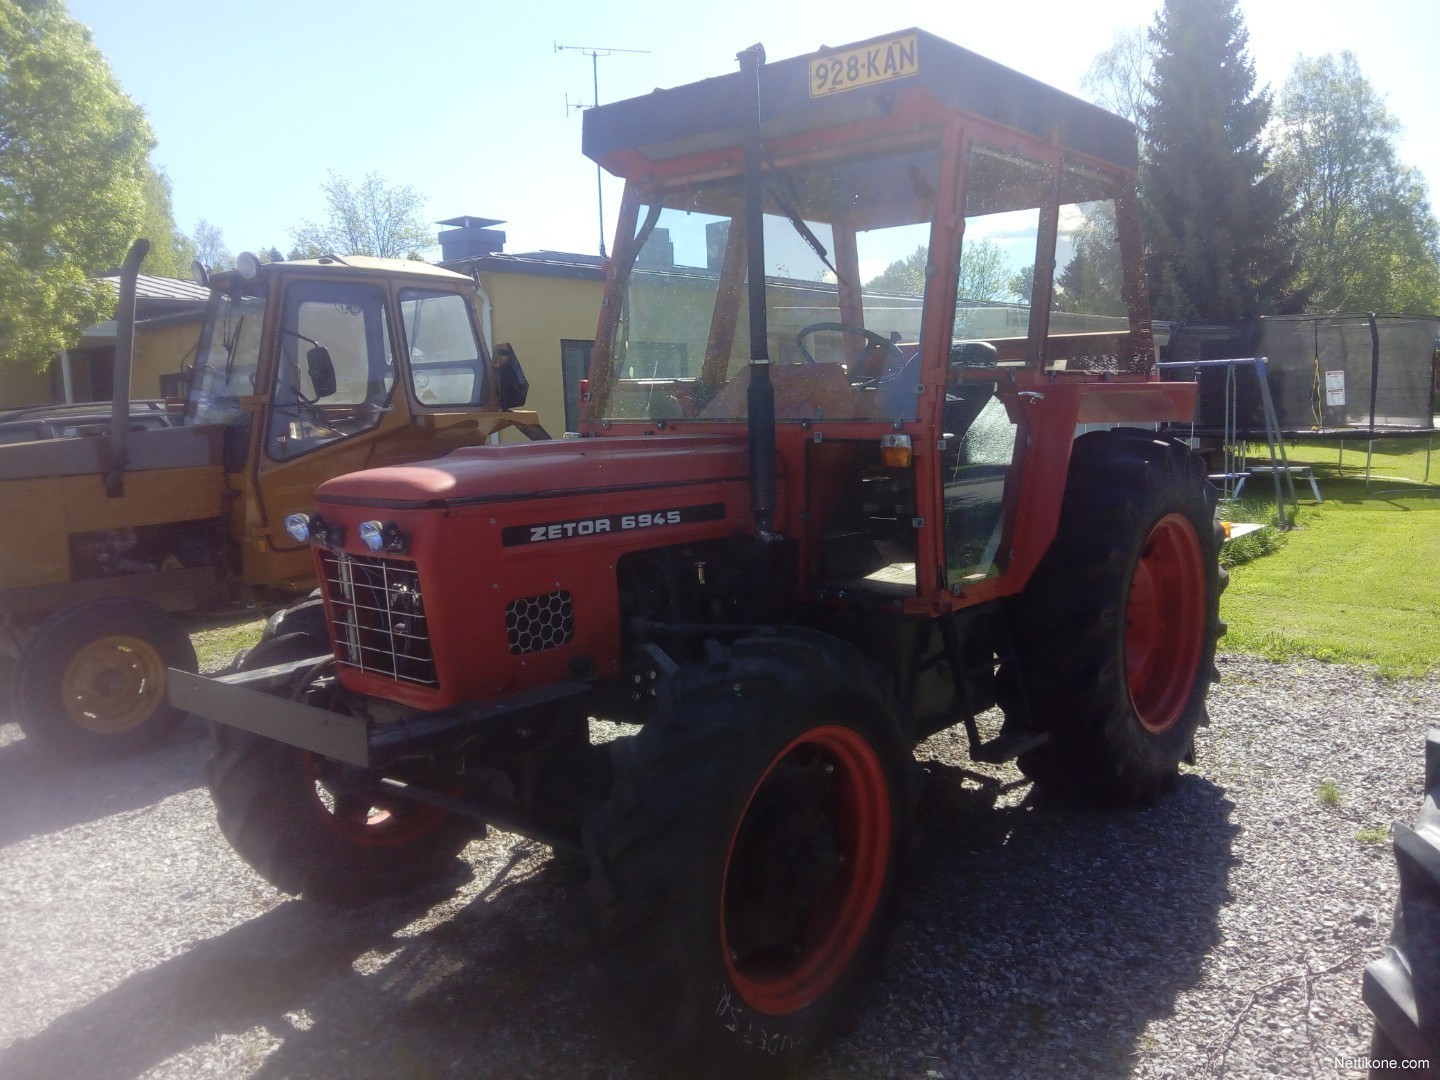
x=1220 y=233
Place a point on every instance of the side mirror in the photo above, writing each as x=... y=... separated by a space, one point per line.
x=511 y=386
x=322 y=371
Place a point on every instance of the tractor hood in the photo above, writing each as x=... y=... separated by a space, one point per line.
x=495 y=474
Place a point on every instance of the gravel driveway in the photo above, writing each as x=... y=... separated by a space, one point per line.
x=1221 y=933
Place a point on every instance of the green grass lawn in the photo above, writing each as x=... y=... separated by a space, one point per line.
x=1359 y=580
x=217 y=640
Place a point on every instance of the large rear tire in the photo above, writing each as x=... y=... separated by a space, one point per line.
x=1115 y=633
x=745 y=872
x=90 y=684
x=317 y=828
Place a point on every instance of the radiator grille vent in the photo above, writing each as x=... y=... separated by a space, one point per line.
x=379 y=617
x=540 y=622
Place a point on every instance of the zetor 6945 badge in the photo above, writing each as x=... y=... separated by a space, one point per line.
x=565 y=530
x=817 y=510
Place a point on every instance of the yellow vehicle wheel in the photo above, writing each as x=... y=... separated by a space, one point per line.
x=113 y=684
x=90 y=684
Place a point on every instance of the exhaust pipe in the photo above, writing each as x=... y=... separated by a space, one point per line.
x=124 y=357
x=760 y=395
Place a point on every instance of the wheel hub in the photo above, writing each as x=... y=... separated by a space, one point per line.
x=805 y=870
x=350 y=804
x=787 y=855
x=113 y=684
x=1165 y=616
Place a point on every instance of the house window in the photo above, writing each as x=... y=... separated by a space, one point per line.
x=574 y=366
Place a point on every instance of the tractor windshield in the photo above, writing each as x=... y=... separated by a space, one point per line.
x=227 y=356
x=847 y=247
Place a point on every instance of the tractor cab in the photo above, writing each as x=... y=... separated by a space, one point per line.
x=315 y=368
x=935 y=260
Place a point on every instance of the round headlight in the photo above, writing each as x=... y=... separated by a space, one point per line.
x=298 y=526
x=372 y=535
x=248 y=263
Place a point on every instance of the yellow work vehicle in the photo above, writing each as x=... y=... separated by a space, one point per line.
x=303 y=371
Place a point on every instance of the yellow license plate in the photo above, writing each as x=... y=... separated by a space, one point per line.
x=864 y=66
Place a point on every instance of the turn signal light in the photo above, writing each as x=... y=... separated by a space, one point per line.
x=896 y=451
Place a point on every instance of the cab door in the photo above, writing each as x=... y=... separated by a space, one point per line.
x=1005 y=246
x=323 y=418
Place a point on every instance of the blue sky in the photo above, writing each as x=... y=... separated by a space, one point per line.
x=466 y=102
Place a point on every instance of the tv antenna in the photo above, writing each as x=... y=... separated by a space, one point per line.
x=595 y=52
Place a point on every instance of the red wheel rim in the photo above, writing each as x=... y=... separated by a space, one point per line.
x=805 y=870
x=362 y=818
x=1165 y=616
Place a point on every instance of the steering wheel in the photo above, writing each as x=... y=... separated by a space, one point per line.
x=895 y=358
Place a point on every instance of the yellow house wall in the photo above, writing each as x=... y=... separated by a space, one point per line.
x=161 y=351
x=534 y=314
x=19 y=386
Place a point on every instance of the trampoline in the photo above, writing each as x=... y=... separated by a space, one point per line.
x=1335 y=378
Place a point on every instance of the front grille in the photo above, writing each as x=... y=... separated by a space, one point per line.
x=378 y=615
x=540 y=622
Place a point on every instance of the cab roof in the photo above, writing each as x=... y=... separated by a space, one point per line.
x=709 y=115
x=349 y=264
x=371 y=264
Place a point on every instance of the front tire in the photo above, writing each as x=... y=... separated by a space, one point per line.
x=317 y=828
x=1115 y=633
x=90 y=684
x=745 y=872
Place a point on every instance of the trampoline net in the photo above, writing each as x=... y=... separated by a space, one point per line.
x=1320 y=374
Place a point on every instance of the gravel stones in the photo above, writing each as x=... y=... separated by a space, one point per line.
x=1222 y=932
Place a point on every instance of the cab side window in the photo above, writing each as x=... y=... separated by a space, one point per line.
x=348 y=324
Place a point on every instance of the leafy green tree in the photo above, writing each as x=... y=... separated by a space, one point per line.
x=1092 y=280
x=1117 y=79
x=1369 y=240
x=1219 y=228
x=1022 y=285
x=73 y=166
x=983 y=273
x=171 y=251
x=905 y=275
x=367 y=218
x=210 y=246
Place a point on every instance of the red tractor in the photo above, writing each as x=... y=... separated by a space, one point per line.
x=852 y=471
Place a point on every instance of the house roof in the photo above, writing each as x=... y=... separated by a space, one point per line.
x=158 y=300
x=164 y=288
x=539 y=263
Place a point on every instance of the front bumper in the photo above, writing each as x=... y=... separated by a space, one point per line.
x=241 y=701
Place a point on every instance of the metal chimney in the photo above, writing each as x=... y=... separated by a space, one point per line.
x=470 y=238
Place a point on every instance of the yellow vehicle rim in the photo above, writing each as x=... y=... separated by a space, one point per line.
x=113 y=684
